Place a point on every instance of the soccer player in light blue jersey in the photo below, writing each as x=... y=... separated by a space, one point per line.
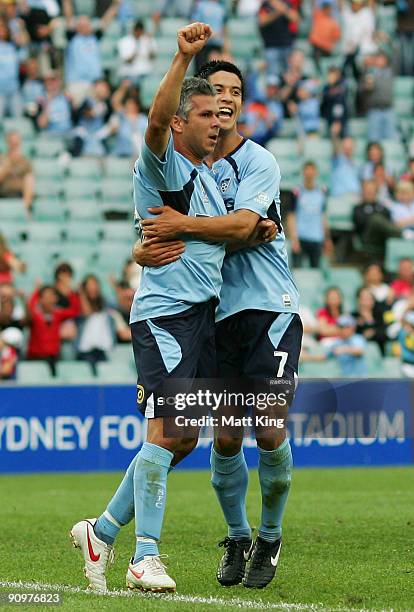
x=172 y=317
x=258 y=330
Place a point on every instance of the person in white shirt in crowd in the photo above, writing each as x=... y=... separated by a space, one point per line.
x=137 y=51
x=358 y=29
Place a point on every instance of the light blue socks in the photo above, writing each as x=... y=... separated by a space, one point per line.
x=120 y=509
x=229 y=477
x=150 y=492
x=275 y=474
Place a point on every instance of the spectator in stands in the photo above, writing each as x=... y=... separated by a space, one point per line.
x=311 y=349
x=384 y=182
x=16 y=173
x=370 y=319
x=40 y=21
x=128 y=123
x=66 y=296
x=403 y=285
x=377 y=83
x=10 y=57
x=83 y=59
x=136 y=51
x=374 y=281
x=33 y=89
x=46 y=319
x=345 y=173
x=375 y=155
x=278 y=24
x=131 y=273
x=259 y=122
x=409 y=174
x=91 y=117
x=358 y=29
x=214 y=13
x=307 y=222
x=405 y=30
x=96 y=332
x=349 y=349
x=290 y=81
x=55 y=115
x=328 y=316
x=121 y=311
x=406 y=341
x=273 y=103
x=370 y=205
x=13 y=313
x=308 y=108
x=9 y=263
x=334 y=104
x=325 y=31
x=11 y=341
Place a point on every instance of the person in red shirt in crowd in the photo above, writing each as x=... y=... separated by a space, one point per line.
x=9 y=263
x=404 y=283
x=325 y=32
x=46 y=318
x=327 y=316
x=64 y=291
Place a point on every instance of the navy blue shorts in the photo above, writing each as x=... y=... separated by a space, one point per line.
x=259 y=345
x=180 y=346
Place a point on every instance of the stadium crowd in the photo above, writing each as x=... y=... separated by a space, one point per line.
x=330 y=90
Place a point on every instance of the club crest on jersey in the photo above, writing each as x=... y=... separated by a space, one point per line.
x=225 y=184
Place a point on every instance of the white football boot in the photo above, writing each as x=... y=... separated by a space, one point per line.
x=97 y=554
x=149 y=575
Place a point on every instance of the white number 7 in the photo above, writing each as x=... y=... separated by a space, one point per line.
x=283 y=359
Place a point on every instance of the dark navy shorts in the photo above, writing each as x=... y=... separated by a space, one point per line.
x=258 y=344
x=180 y=346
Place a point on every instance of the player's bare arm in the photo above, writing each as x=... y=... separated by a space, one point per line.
x=191 y=39
x=240 y=226
x=155 y=252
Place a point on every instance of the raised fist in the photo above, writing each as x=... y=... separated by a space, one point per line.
x=193 y=38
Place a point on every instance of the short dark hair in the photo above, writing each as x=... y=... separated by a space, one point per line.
x=45 y=288
x=220 y=65
x=309 y=163
x=139 y=25
x=63 y=267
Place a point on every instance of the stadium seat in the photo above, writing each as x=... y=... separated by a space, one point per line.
x=118 y=231
x=309 y=282
x=122 y=353
x=396 y=249
x=22 y=125
x=84 y=210
x=12 y=210
x=358 y=128
x=289 y=129
x=373 y=360
x=79 y=231
x=48 y=210
x=317 y=149
x=111 y=256
x=75 y=188
x=48 y=146
x=170 y=25
x=48 y=169
x=391 y=368
x=116 y=189
x=394 y=150
x=116 y=373
x=85 y=167
x=48 y=189
x=150 y=86
x=13 y=232
x=83 y=250
x=339 y=209
x=404 y=107
x=118 y=168
x=403 y=86
x=85 y=7
x=33 y=372
x=348 y=279
x=283 y=148
x=45 y=232
x=75 y=372
x=319 y=369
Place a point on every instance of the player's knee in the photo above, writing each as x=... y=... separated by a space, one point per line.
x=278 y=482
x=227 y=446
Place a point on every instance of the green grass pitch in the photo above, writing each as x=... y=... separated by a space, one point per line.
x=348 y=541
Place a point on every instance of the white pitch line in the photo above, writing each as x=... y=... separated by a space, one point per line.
x=212 y=601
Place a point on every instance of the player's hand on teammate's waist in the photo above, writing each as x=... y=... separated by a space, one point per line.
x=166 y=224
x=193 y=37
x=155 y=252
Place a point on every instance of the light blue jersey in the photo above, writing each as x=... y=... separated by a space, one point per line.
x=257 y=278
x=196 y=276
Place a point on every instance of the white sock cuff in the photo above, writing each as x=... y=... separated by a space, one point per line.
x=111 y=519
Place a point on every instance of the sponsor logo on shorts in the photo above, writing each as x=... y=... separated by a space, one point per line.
x=140 y=394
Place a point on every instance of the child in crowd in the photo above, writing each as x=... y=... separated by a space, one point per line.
x=11 y=340
x=349 y=349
